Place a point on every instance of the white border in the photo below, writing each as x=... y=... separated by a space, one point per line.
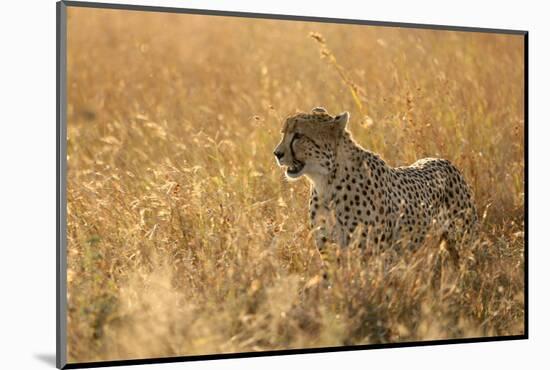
x=28 y=182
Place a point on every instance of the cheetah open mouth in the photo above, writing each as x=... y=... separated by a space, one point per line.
x=295 y=169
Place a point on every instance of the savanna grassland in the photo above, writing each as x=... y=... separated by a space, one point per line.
x=183 y=236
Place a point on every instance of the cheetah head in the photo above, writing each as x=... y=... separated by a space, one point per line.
x=309 y=143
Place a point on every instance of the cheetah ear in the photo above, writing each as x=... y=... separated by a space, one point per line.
x=319 y=110
x=341 y=121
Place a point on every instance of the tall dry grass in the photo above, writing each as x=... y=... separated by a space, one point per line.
x=183 y=237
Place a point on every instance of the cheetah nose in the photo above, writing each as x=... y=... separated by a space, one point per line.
x=279 y=155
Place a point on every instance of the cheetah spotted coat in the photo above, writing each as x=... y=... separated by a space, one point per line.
x=357 y=198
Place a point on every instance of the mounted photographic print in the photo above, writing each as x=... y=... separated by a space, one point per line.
x=235 y=184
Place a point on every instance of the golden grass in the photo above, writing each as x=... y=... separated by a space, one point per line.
x=183 y=237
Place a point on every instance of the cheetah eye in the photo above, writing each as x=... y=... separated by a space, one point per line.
x=297 y=135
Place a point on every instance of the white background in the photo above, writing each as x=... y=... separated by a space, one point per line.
x=27 y=183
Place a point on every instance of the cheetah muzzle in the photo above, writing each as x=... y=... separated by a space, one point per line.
x=296 y=169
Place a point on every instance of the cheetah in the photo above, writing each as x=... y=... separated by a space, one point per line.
x=357 y=198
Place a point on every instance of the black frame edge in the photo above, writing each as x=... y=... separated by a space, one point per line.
x=227 y=13
x=221 y=356
x=526 y=184
x=61 y=129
